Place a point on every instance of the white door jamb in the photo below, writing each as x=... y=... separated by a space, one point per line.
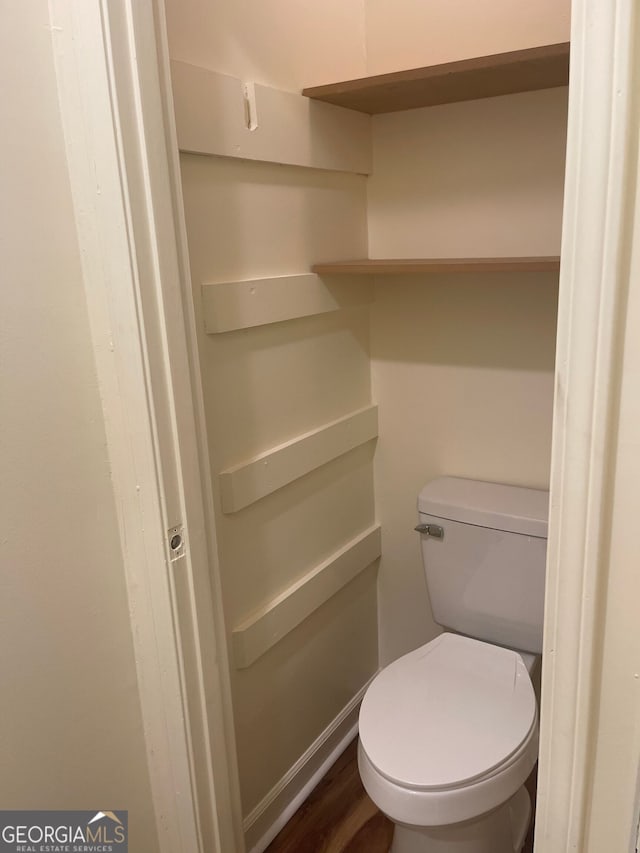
x=592 y=294
x=117 y=115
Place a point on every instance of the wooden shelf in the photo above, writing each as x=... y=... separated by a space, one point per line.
x=481 y=77
x=402 y=266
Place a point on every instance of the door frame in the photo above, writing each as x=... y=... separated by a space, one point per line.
x=115 y=99
x=114 y=92
x=594 y=280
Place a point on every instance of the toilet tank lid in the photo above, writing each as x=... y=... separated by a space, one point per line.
x=512 y=508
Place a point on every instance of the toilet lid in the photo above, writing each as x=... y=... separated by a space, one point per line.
x=447 y=713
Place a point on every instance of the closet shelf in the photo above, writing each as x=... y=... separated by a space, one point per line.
x=469 y=79
x=395 y=266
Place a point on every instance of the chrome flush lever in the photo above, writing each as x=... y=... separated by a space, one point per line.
x=433 y=530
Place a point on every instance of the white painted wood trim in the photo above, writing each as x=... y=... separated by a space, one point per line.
x=271 y=814
x=268 y=625
x=116 y=113
x=221 y=115
x=586 y=378
x=216 y=759
x=244 y=484
x=231 y=305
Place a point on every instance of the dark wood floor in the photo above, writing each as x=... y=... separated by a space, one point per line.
x=339 y=817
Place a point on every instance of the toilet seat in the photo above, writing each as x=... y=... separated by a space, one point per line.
x=448 y=731
x=448 y=713
x=413 y=807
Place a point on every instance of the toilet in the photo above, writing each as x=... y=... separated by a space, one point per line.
x=449 y=731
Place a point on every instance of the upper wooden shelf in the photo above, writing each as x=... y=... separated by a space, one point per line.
x=468 y=79
x=395 y=266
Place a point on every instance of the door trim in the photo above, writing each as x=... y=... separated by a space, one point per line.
x=591 y=310
x=115 y=98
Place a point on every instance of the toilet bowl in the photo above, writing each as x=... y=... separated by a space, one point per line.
x=449 y=731
x=448 y=735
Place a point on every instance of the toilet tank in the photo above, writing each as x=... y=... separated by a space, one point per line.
x=486 y=572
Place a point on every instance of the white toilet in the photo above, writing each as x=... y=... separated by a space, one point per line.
x=449 y=732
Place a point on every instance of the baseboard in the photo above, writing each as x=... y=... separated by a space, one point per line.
x=270 y=815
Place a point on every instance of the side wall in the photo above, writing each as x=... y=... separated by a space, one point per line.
x=264 y=386
x=71 y=735
x=271 y=384
x=462 y=365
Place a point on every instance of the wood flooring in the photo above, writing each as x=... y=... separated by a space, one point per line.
x=339 y=817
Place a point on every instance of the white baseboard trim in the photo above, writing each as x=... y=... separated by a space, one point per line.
x=270 y=815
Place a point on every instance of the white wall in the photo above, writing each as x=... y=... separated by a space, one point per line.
x=462 y=366
x=478 y=178
x=412 y=33
x=71 y=734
